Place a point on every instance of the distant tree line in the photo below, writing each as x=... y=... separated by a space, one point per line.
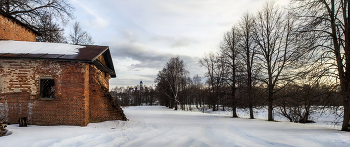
x=47 y=16
x=292 y=61
x=134 y=97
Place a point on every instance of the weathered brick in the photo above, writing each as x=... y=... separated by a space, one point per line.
x=78 y=98
x=10 y=30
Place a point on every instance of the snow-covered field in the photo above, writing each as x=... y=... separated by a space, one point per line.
x=153 y=126
x=323 y=118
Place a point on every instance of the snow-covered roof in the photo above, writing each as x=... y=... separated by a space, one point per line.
x=58 y=51
x=17 y=47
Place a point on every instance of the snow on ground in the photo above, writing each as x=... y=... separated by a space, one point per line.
x=323 y=118
x=153 y=126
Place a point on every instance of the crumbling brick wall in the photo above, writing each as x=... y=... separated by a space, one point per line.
x=20 y=96
x=101 y=108
x=10 y=30
x=80 y=93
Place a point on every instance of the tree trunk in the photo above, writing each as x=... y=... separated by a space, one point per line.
x=270 y=99
x=233 y=94
x=270 y=118
x=346 y=117
x=170 y=103
x=270 y=108
x=251 y=111
x=234 y=112
x=249 y=74
x=345 y=80
x=249 y=86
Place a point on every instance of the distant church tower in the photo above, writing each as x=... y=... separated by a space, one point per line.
x=141 y=85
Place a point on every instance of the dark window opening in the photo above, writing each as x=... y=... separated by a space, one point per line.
x=47 y=88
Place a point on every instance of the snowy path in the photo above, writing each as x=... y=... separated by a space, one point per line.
x=159 y=126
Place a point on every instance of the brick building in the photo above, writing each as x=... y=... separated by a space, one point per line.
x=12 y=29
x=53 y=83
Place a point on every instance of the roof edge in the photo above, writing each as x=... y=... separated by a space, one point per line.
x=100 y=66
x=93 y=59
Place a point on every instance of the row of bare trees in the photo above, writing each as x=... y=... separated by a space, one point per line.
x=175 y=88
x=47 y=16
x=171 y=81
x=293 y=59
x=290 y=60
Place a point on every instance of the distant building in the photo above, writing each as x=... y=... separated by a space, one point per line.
x=131 y=88
x=141 y=85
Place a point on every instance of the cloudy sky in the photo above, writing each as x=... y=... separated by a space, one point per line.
x=144 y=34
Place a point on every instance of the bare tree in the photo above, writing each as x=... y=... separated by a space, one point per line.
x=299 y=101
x=171 y=77
x=50 y=31
x=197 y=85
x=274 y=37
x=216 y=74
x=151 y=95
x=163 y=90
x=229 y=49
x=248 y=53
x=31 y=12
x=209 y=62
x=78 y=36
x=331 y=18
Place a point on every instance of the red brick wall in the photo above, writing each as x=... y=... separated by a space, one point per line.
x=10 y=30
x=70 y=105
x=15 y=104
x=100 y=106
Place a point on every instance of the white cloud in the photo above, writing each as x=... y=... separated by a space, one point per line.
x=144 y=34
x=96 y=22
